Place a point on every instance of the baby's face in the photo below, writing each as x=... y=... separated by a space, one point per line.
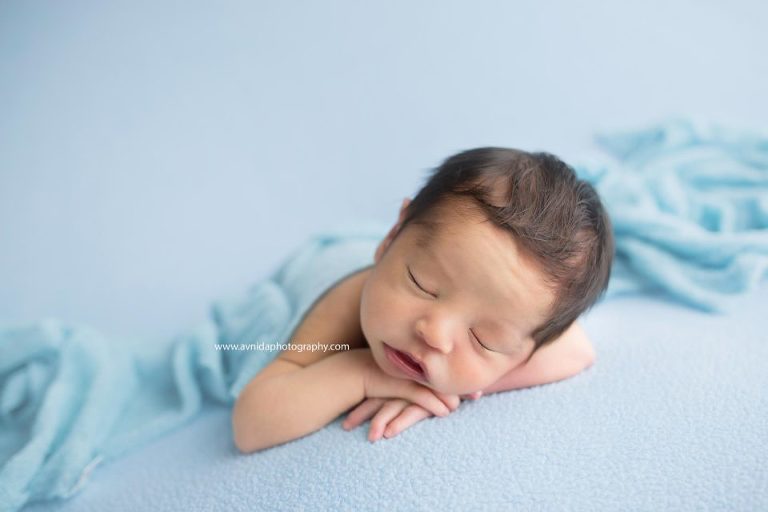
x=464 y=307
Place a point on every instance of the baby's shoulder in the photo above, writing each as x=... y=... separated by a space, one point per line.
x=333 y=319
x=341 y=304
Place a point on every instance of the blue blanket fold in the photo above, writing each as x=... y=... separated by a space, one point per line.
x=689 y=207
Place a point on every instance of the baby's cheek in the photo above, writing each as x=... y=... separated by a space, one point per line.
x=373 y=309
x=383 y=317
x=471 y=377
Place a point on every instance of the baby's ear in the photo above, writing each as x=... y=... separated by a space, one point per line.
x=403 y=210
x=385 y=243
x=392 y=232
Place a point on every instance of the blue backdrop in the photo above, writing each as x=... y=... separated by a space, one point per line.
x=155 y=155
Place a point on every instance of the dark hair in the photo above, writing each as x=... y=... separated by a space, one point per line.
x=554 y=217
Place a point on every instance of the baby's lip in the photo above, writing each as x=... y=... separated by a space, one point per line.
x=416 y=360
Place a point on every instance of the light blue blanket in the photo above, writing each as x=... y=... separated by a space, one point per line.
x=690 y=211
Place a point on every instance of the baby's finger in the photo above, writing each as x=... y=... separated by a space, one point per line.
x=452 y=401
x=410 y=416
x=362 y=412
x=387 y=413
x=427 y=398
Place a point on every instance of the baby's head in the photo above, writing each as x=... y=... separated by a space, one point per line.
x=496 y=256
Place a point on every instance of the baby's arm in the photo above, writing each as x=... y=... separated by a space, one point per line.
x=565 y=357
x=287 y=401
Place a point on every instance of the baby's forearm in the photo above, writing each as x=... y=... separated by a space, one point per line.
x=291 y=405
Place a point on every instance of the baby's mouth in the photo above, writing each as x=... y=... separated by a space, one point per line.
x=407 y=359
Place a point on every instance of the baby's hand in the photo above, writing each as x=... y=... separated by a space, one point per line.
x=378 y=384
x=392 y=416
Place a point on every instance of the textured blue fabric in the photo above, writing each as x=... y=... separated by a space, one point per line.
x=689 y=208
x=72 y=399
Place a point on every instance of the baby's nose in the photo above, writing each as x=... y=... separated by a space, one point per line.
x=435 y=336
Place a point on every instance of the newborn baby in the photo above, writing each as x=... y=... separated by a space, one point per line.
x=476 y=289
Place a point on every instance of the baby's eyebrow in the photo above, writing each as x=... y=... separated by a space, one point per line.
x=428 y=248
x=425 y=235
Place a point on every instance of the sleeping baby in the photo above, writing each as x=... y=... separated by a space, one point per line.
x=476 y=289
